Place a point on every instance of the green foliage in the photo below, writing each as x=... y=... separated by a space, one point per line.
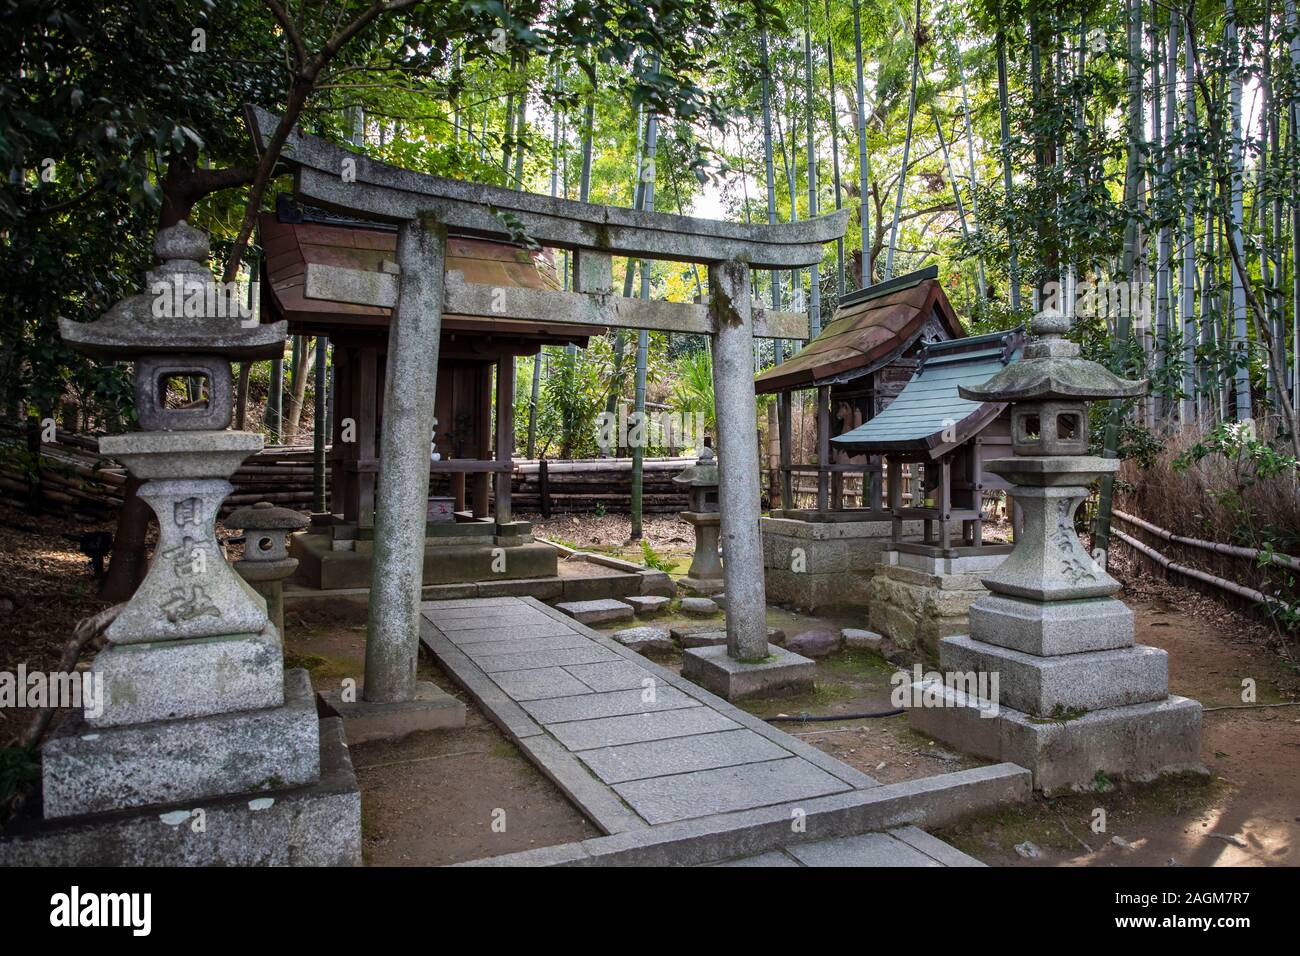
x=101 y=105
x=1252 y=460
x=692 y=386
x=652 y=559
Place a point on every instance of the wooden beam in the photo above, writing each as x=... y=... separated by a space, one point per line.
x=823 y=447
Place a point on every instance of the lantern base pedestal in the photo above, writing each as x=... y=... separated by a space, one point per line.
x=704 y=587
x=317 y=824
x=1136 y=742
x=781 y=674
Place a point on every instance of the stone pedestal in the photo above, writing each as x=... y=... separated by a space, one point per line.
x=1074 y=694
x=336 y=554
x=317 y=824
x=364 y=721
x=816 y=565
x=781 y=673
x=705 y=573
x=916 y=600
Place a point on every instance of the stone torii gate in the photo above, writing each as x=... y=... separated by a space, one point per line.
x=420 y=291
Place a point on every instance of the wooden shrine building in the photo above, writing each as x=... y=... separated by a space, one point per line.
x=949 y=437
x=824 y=556
x=319 y=273
x=857 y=365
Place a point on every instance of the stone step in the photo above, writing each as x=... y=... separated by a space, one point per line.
x=648 y=605
x=604 y=611
x=906 y=846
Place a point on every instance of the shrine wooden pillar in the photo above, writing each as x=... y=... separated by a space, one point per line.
x=505 y=435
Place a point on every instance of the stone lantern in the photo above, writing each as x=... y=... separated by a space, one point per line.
x=266 y=561
x=1063 y=688
x=701 y=480
x=196 y=708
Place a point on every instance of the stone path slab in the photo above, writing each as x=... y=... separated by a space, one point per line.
x=706 y=792
x=541 y=683
x=520 y=632
x=907 y=846
x=614 y=703
x=633 y=744
x=597 y=612
x=612 y=731
x=477 y=650
x=619 y=675
x=657 y=758
x=556 y=658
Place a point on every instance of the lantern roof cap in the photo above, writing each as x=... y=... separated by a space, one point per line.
x=702 y=474
x=1052 y=370
x=265 y=516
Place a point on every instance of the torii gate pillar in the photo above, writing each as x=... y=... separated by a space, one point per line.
x=747 y=666
x=392 y=702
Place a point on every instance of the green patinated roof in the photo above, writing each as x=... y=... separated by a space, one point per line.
x=930 y=402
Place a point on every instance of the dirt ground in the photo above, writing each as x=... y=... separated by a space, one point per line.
x=433 y=798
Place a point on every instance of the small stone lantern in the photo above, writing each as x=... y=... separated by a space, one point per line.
x=1077 y=696
x=701 y=479
x=266 y=562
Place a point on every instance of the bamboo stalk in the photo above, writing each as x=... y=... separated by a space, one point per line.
x=1232 y=587
x=1238 y=551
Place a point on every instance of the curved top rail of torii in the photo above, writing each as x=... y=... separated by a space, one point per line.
x=386 y=193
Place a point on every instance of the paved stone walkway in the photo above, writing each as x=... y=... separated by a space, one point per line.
x=634 y=745
x=907 y=846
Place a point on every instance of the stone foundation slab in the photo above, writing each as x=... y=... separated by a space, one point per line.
x=1136 y=742
x=317 y=824
x=87 y=770
x=783 y=673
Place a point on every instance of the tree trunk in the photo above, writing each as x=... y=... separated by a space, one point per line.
x=298 y=394
x=129 y=562
x=1240 y=333
x=833 y=103
x=907 y=143
x=864 y=171
x=1132 y=177
x=1004 y=117
x=814 y=278
x=1187 y=280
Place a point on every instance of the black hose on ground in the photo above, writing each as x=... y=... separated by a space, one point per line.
x=809 y=719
